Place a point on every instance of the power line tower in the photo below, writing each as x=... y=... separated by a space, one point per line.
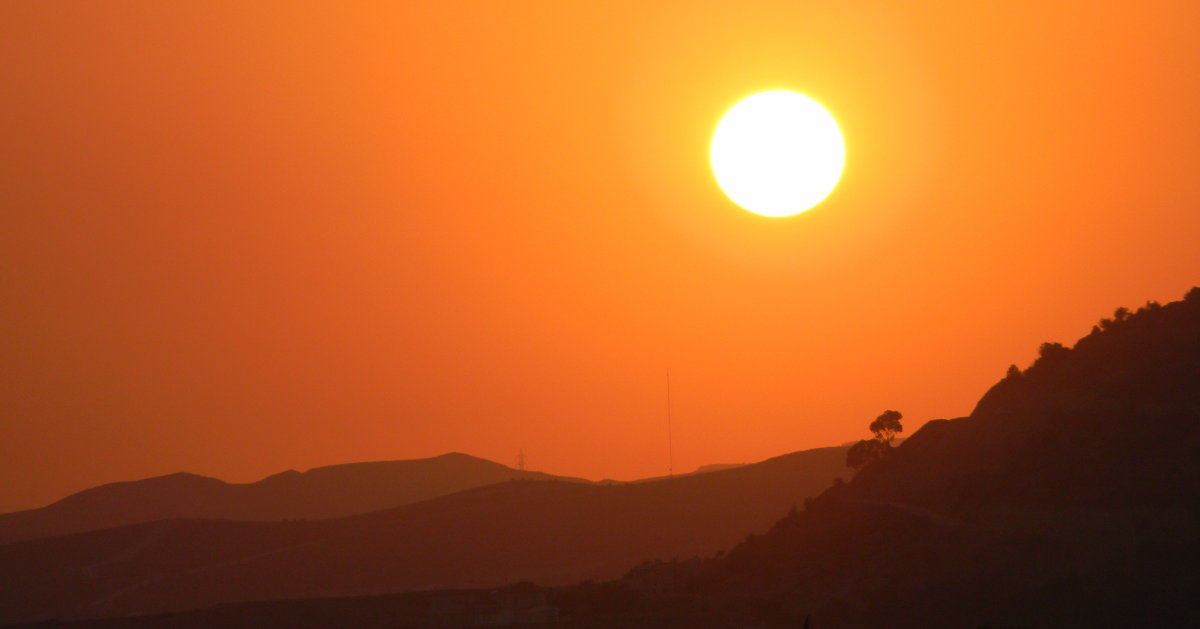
x=521 y=460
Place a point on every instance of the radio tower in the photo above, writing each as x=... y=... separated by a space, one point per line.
x=521 y=460
x=670 y=438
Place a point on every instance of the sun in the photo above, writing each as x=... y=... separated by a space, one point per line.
x=777 y=153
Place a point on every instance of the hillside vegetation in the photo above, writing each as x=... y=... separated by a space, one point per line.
x=1067 y=498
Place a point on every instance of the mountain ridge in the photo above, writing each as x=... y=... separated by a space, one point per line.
x=322 y=492
x=551 y=531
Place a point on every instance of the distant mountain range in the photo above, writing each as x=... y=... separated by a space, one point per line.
x=549 y=531
x=323 y=492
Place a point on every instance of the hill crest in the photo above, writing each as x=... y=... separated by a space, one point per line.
x=322 y=492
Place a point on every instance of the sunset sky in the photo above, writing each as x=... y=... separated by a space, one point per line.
x=242 y=237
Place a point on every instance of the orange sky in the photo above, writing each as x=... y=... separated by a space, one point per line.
x=236 y=240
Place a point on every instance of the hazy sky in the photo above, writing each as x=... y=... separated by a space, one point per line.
x=240 y=237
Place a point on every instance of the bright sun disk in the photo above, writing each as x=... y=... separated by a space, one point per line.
x=777 y=153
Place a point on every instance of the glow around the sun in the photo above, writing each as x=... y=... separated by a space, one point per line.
x=777 y=153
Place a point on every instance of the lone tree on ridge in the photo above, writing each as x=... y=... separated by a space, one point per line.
x=867 y=451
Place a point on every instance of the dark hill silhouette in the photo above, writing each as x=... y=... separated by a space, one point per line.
x=323 y=492
x=551 y=532
x=703 y=469
x=1069 y=497
x=716 y=467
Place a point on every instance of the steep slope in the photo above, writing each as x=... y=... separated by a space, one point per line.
x=1109 y=422
x=323 y=492
x=1069 y=497
x=547 y=531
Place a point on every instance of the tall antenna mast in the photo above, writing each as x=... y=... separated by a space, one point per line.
x=521 y=460
x=670 y=437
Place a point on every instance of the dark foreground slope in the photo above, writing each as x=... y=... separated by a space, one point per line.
x=547 y=531
x=323 y=492
x=1069 y=498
